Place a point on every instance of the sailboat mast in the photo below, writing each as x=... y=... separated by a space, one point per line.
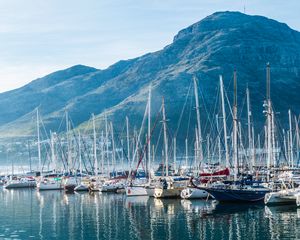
x=165 y=136
x=122 y=154
x=291 y=138
x=174 y=152
x=208 y=149
x=253 y=148
x=235 y=129
x=113 y=146
x=38 y=140
x=102 y=152
x=186 y=152
x=250 y=149
x=79 y=153
x=95 y=147
x=219 y=139
x=149 y=130
x=269 y=123
x=106 y=143
x=128 y=142
x=297 y=139
x=53 y=160
x=224 y=122
x=68 y=141
x=199 y=142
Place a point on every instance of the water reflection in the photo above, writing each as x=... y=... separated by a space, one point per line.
x=27 y=214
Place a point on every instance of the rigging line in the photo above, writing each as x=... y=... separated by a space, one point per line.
x=63 y=154
x=148 y=139
x=189 y=119
x=183 y=109
x=87 y=150
x=61 y=122
x=139 y=135
x=158 y=140
x=209 y=124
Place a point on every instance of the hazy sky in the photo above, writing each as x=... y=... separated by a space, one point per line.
x=38 y=37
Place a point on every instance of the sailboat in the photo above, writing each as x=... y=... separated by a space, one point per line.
x=170 y=187
x=53 y=183
x=284 y=196
x=23 y=182
x=137 y=186
x=82 y=186
x=192 y=192
x=242 y=191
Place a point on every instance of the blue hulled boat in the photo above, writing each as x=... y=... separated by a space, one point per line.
x=237 y=193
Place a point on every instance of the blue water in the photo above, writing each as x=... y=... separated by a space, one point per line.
x=27 y=214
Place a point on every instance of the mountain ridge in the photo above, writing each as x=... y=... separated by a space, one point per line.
x=215 y=45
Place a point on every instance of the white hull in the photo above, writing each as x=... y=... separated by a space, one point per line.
x=49 y=186
x=112 y=187
x=193 y=193
x=281 y=197
x=81 y=187
x=150 y=191
x=136 y=191
x=167 y=193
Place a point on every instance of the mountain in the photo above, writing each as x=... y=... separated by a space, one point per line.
x=216 y=45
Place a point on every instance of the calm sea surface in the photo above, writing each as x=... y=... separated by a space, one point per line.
x=28 y=214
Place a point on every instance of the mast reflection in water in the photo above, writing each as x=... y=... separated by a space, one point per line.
x=27 y=214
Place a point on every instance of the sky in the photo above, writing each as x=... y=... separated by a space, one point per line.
x=38 y=37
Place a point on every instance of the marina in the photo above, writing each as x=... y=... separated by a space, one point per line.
x=193 y=135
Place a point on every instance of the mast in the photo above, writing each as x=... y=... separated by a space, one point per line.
x=95 y=147
x=53 y=160
x=291 y=138
x=174 y=152
x=250 y=147
x=196 y=145
x=149 y=131
x=273 y=137
x=128 y=143
x=269 y=123
x=253 y=148
x=122 y=154
x=224 y=122
x=218 y=138
x=297 y=139
x=68 y=141
x=200 y=148
x=208 y=148
x=38 y=136
x=102 y=152
x=165 y=136
x=235 y=129
x=186 y=152
x=106 y=142
x=284 y=145
x=79 y=153
x=113 y=146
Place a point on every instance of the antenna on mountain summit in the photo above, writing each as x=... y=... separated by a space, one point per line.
x=244 y=5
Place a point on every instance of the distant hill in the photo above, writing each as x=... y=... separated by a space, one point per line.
x=216 y=45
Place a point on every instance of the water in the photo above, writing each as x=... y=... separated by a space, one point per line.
x=28 y=214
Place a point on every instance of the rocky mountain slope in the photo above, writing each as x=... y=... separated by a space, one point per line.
x=216 y=45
